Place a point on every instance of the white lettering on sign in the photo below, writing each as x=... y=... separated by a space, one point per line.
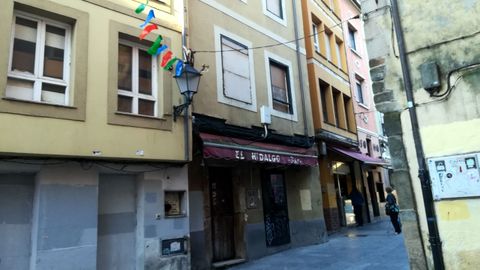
x=239 y=154
x=265 y=157
x=294 y=160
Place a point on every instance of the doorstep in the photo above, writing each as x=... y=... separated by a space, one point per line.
x=227 y=263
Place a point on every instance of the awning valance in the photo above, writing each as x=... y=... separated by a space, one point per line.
x=221 y=147
x=359 y=156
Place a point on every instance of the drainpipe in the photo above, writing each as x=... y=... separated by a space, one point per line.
x=434 y=236
x=186 y=136
x=300 y=70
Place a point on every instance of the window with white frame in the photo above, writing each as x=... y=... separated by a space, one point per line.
x=315 y=37
x=275 y=7
x=236 y=70
x=39 y=60
x=351 y=38
x=360 y=92
x=280 y=83
x=137 y=93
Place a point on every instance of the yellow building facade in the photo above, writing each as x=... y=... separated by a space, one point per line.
x=90 y=154
x=332 y=107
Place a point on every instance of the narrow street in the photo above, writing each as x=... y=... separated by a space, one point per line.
x=373 y=246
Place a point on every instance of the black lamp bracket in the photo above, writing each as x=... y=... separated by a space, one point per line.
x=177 y=110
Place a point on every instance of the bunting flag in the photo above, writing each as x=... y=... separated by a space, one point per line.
x=165 y=58
x=170 y=63
x=149 y=28
x=157 y=47
x=150 y=16
x=141 y=7
x=153 y=49
x=161 y=49
x=179 y=68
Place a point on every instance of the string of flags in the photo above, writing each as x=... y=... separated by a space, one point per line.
x=168 y=60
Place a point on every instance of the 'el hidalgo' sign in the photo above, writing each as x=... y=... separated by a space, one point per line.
x=259 y=156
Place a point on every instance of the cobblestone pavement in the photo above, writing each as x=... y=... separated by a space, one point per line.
x=373 y=246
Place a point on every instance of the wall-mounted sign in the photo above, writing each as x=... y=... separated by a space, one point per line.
x=455 y=176
x=174 y=246
x=252 y=198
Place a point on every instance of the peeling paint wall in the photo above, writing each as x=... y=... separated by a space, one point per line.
x=445 y=32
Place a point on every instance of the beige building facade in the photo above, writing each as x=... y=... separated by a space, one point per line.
x=253 y=181
x=90 y=154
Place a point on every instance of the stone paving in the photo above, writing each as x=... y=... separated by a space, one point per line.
x=373 y=246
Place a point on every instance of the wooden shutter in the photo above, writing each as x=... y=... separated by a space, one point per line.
x=236 y=71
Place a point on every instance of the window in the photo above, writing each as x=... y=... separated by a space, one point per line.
x=236 y=70
x=280 y=88
x=323 y=95
x=327 y=36
x=39 y=60
x=349 y=113
x=369 y=147
x=136 y=82
x=338 y=51
x=351 y=38
x=275 y=7
x=174 y=203
x=275 y=10
x=336 y=100
x=359 y=92
x=315 y=37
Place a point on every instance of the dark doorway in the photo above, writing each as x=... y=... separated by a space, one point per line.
x=275 y=209
x=373 y=194
x=221 y=199
x=341 y=190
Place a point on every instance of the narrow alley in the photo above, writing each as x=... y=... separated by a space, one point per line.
x=373 y=246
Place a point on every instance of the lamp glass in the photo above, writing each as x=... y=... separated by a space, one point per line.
x=188 y=81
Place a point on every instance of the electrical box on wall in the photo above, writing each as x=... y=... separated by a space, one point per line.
x=265 y=115
x=430 y=76
x=455 y=176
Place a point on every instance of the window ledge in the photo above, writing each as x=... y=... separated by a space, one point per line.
x=363 y=105
x=176 y=216
x=39 y=103
x=140 y=116
x=355 y=52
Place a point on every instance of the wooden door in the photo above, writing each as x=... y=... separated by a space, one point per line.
x=275 y=209
x=221 y=196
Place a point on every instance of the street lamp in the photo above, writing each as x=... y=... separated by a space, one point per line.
x=187 y=82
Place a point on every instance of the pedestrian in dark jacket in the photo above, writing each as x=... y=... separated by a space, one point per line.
x=392 y=210
x=357 y=202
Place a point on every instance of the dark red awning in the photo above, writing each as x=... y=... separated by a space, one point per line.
x=221 y=147
x=359 y=156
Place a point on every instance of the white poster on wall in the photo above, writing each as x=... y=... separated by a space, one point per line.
x=455 y=176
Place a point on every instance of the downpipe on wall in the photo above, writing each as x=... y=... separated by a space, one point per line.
x=434 y=236
x=300 y=70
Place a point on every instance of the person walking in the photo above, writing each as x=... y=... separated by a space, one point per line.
x=357 y=202
x=391 y=209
